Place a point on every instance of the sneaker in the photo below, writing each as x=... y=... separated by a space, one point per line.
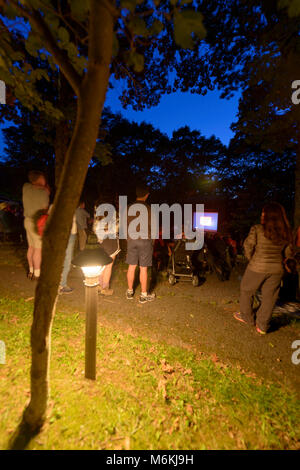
x=238 y=317
x=147 y=298
x=65 y=290
x=261 y=332
x=106 y=291
x=129 y=294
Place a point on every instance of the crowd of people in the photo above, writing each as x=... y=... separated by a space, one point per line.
x=36 y=206
x=269 y=248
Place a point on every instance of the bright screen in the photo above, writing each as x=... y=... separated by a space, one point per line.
x=206 y=220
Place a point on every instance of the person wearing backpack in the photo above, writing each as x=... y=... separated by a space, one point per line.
x=35 y=198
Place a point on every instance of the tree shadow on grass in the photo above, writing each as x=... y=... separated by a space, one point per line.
x=22 y=436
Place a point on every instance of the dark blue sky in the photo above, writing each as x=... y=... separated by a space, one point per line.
x=209 y=114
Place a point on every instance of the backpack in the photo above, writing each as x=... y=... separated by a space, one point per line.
x=40 y=220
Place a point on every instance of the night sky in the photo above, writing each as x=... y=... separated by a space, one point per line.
x=209 y=114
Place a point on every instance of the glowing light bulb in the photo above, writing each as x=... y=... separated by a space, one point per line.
x=92 y=271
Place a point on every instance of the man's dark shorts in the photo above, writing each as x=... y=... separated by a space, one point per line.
x=139 y=252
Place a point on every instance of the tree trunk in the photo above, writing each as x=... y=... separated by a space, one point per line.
x=89 y=108
x=60 y=148
x=62 y=131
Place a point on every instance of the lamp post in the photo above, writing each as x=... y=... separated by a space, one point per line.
x=92 y=263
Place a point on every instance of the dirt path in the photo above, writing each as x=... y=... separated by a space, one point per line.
x=200 y=319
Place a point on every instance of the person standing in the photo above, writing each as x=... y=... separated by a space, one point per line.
x=140 y=252
x=35 y=197
x=64 y=288
x=266 y=248
x=108 y=238
x=81 y=219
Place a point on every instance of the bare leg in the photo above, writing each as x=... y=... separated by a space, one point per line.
x=30 y=258
x=37 y=258
x=143 y=278
x=130 y=275
x=106 y=275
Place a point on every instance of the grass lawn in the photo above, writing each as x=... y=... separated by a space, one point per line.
x=146 y=396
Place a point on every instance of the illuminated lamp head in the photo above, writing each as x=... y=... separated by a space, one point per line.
x=92 y=263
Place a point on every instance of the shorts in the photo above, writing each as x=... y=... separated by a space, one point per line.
x=33 y=238
x=111 y=246
x=139 y=252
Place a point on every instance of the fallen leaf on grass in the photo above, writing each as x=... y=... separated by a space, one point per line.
x=162 y=388
x=29 y=298
x=187 y=372
x=175 y=426
x=166 y=367
x=214 y=358
x=251 y=375
x=39 y=443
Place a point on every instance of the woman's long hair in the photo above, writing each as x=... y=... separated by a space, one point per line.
x=275 y=224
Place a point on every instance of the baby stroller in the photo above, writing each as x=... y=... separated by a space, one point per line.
x=181 y=266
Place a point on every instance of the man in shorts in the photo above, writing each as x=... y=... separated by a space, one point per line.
x=35 y=198
x=139 y=252
x=81 y=218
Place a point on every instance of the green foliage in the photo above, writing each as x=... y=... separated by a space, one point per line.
x=33 y=44
x=186 y=24
x=138 y=26
x=9 y=11
x=156 y=28
x=135 y=60
x=79 y=9
x=103 y=153
x=129 y=5
x=63 y=36
x=293 y=7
